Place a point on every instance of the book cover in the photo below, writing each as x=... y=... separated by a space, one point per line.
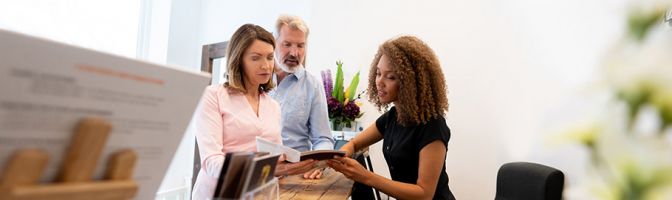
x=260 y=171
x=222 y=174
x=321 y=154
x=230 y=186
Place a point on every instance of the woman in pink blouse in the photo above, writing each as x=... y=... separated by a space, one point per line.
x=230 y=116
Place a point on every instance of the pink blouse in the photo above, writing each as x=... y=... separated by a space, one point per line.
x=226 y=122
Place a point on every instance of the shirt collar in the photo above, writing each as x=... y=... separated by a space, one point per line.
x=299 y=73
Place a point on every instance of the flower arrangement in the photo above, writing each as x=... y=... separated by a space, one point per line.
x=630 y=147
x=342 y=104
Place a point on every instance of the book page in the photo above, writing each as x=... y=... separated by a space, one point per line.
x=47 y=87
x=291 y=155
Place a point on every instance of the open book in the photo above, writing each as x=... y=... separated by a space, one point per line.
x=292 y=155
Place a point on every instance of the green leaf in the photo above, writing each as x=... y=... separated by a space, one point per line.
x=639 y=24
x=353 y=87
x=338 y=85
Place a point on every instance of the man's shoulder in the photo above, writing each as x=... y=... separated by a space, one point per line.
x=311 y=79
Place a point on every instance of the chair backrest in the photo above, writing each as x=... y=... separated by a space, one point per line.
x=209 y=53
x=529 y=181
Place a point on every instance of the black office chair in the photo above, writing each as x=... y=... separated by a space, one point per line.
x=529 y=181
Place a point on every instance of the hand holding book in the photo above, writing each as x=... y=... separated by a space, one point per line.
x=294 y=156
x=285 y=168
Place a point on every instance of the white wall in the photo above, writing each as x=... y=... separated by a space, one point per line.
x=222 y=18
x=513 y=68
x=183 y=49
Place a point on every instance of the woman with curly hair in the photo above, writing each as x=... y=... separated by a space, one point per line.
x=405 y=73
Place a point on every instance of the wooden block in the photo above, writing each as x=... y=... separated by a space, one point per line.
x=25 y=167
x=103 y=190
x=84 y=151
x=121 y=165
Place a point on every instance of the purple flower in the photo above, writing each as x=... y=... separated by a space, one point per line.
x=334 y=107
x=327 y=82
x=351 y=110
x=330 y=83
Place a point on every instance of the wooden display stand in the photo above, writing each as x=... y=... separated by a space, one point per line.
x=24 y=169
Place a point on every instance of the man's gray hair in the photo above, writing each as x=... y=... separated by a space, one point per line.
x=294 y=22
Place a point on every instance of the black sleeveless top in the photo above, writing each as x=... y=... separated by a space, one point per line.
x=402 y=145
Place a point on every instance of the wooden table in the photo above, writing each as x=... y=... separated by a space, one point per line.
x=332 y=186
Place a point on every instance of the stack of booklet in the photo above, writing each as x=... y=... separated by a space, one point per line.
x=243 y=172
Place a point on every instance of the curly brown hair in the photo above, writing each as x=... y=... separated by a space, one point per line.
x=422 y=94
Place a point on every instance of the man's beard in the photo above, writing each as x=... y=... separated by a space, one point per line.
x=289 y=69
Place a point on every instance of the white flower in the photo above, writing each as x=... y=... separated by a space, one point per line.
x=630 y=63
x=631 y=155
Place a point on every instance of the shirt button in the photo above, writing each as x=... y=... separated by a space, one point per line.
x=387 y=148
x=391 y=168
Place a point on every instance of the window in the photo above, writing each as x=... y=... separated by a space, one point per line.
x=109 y=26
